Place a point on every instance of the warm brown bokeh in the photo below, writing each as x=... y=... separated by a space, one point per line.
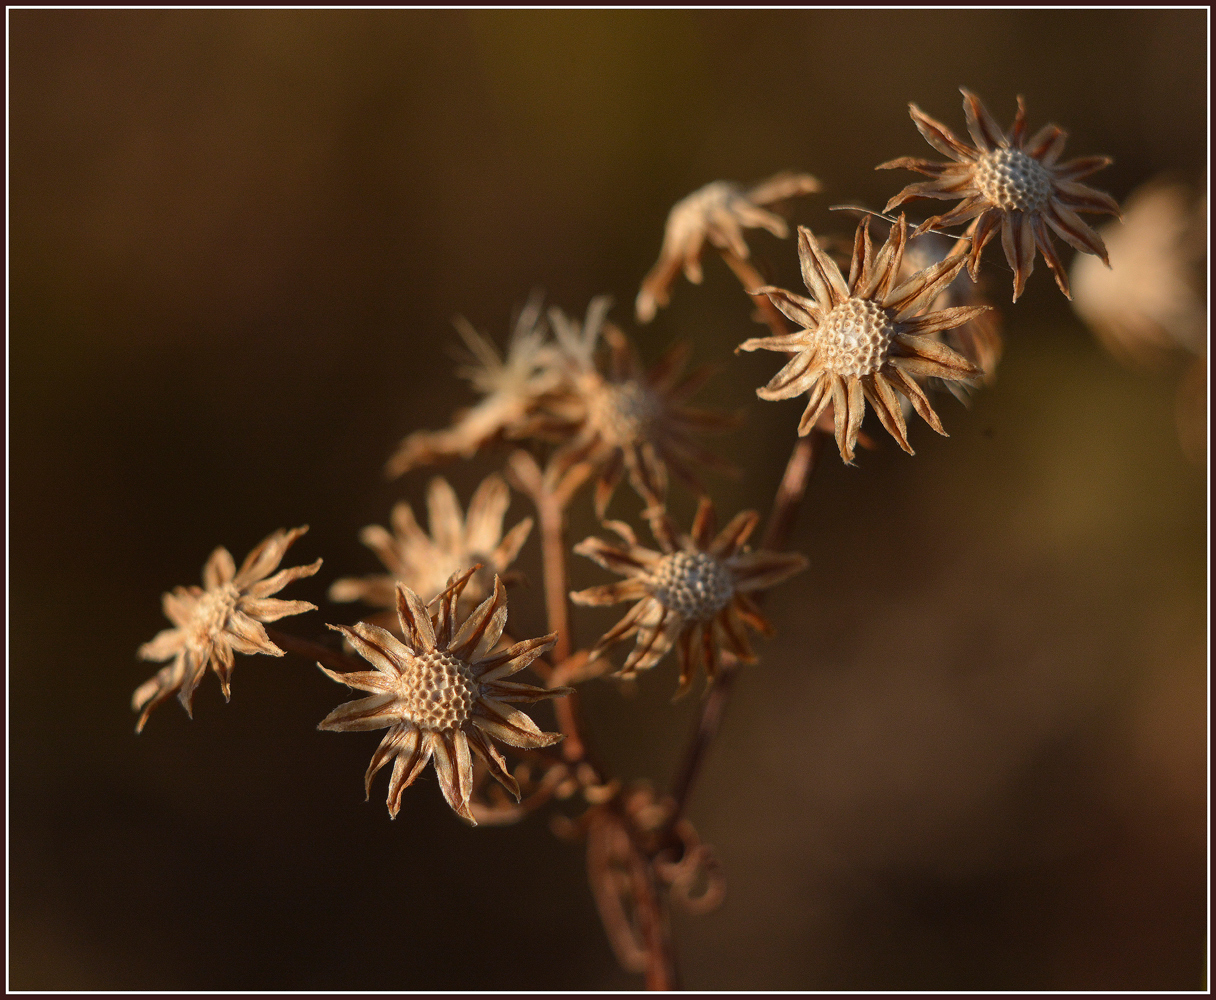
x=973 y=758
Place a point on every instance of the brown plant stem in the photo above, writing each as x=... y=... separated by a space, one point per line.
x=310 y=650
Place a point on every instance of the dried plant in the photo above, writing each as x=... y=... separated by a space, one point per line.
x=717 y=213
x=442 y=693
x=692 y=593
x=864 y=338
x=580 y=406
x=425 y=563
x=1011 y=182
x=223 y=617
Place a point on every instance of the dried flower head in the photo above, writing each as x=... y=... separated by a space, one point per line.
x=979 y=339
x=1010 y=181
x=510 y=387
x=223 y=617
x=623 y=419
x=692 y=593
x=425 y=563
x=1153 y=305
x=441 y=693
x=718 y=212
x=866 y=337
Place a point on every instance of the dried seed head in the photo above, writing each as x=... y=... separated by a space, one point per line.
x=692 y=584
x=437 y=691
x=622 y=412
x=1012 y=181
x=855 y=338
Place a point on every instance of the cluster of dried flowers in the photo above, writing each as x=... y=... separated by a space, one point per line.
x=890 y=326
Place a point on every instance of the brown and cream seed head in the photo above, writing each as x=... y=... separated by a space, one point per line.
x=622 y=411
x=695 y=585
x=437 y=691
x=1012 y=180
x=855 y=337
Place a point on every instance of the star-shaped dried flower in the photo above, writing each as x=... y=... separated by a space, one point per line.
x=864 y=338
x=510 y=387
x=718 y=212
x=693 y=593
x=442 y=694
x=623 y=419
x=1011 y=182
x=425 y=563
x=223 y=617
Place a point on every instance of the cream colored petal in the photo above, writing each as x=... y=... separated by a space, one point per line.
x=513 y=659
x=263 y=560
x=410 y=762
x=220 y=569
x=445 y=518
x=271 y=609
x=487 y=508
x=249 y=633
x=375 y=712
x=165 y=645
x=273 y=584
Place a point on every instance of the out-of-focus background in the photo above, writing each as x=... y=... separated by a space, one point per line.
x=973 y=758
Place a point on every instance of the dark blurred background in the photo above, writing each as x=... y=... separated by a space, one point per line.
x=974 y=756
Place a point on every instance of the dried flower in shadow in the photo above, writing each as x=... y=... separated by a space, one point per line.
x=425 y=563
x=718 y=212
x=213 y=622
x=1153 y=303
x=1151 y=310
x=510 y=388
x=692 y=594
x=1010 y=182
x=442 y=694
x=979 y=339
x=864 y=338
x=625 y=420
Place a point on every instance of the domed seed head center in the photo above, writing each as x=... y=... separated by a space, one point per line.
x=692 y=584
x=1012 y=181
x=855 y=337
x=437 y=690
x=212 y=611
x=622 y=411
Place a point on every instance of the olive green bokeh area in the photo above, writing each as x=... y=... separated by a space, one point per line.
x=972 y=758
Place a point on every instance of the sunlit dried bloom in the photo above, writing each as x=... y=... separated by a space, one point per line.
x=223 y=617
x=864 y=338
x=442 y=694
x=625 y=420
x=510 y=388
x=693 y=593
x=1011 y=182
x=979 y=339
x=1153 y=303
x=425 y=563
x=718 y=212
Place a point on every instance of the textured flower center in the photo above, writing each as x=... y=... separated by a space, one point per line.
x=1011 y=180
x=855 y=336
x=622 y=411
x=437 y=690
x=212 y=611
x=692 y=584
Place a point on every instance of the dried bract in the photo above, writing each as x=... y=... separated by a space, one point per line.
x=442 y=694
x=221 y=618
x=510 y=387
x=718 y=212
x=693 y=593
x=424 y=563
x=864 y=338
x=624 y=420
x=1010 y=181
